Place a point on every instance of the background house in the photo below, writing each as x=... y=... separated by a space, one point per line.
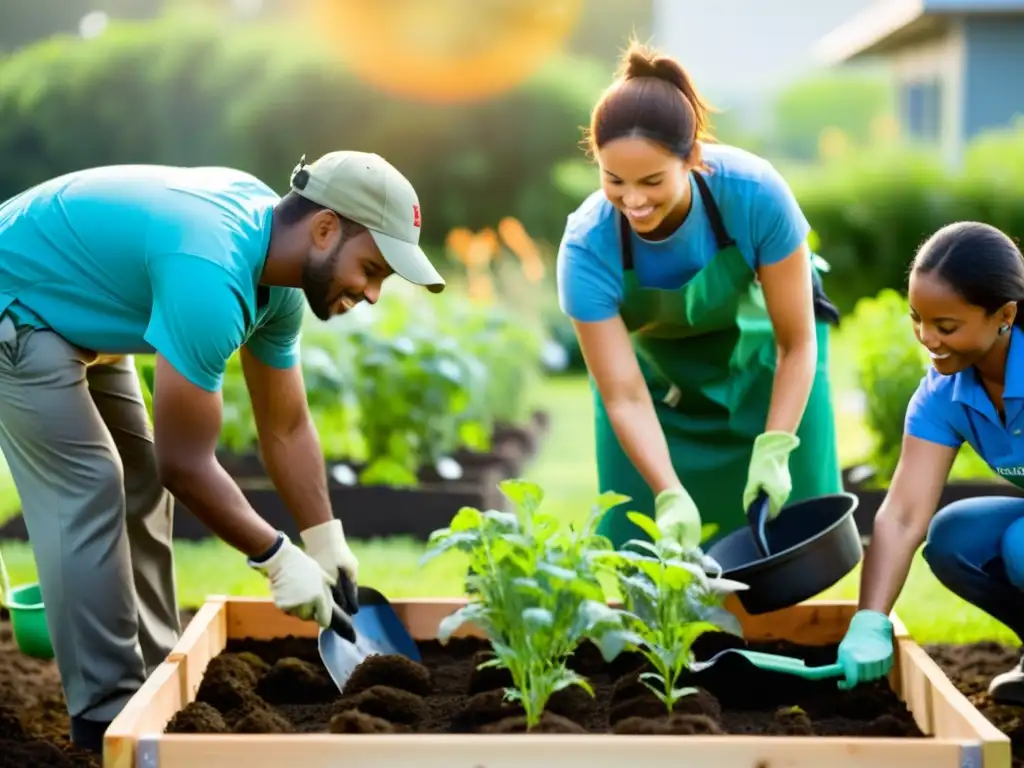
x=958 y=64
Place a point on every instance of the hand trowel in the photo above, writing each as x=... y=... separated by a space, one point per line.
x=737 y=663
x=364 y=624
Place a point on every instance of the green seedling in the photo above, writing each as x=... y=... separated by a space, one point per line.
x=534 y=591
x=670 y=599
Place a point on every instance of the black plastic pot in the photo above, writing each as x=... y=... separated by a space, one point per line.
x=812 y=545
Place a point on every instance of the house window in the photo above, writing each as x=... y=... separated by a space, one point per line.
x=922 y=109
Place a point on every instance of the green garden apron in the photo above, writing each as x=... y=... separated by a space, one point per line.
x=708 y=354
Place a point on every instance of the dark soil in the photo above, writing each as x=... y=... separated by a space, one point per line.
x=435 y=697
x=447 y=694
x=971 y=667
x=33 y=713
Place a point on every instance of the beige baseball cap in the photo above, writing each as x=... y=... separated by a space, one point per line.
x=367 y=189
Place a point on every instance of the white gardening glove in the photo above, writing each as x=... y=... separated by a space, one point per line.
x=326 y=544
x=299 y=586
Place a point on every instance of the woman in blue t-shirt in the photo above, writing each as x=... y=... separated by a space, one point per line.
x=700 y=316
x=965 y=283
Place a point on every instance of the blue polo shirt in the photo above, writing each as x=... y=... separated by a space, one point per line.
x=759 y=210
x=142 y=259
x=951 y=410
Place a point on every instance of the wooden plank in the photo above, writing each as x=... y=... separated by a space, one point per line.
x=569 y=751
x=813 y=622
x=203 y=638
x=940 y=709
x=148 y=711
x=260 y=619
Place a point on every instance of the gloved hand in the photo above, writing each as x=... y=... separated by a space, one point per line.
x=867 y=649
x=326 y=544
x=677 y=516
x=299 y=586
x=769 y=470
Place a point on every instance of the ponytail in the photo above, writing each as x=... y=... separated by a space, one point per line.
x=652 y=96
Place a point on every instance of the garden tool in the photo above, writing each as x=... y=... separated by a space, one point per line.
x=378 y=621
x=374 y=628
x=757 y=516
x=742 y=661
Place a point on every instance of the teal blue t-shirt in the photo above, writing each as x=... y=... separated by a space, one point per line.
x=759 y=210
x=141 y=259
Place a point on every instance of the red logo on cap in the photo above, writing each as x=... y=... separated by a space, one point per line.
x=415 y=215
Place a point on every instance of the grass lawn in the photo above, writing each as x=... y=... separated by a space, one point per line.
x=565 y=469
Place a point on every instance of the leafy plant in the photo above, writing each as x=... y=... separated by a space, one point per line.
x=669 y=601
x=534 y=592
x=891 y=364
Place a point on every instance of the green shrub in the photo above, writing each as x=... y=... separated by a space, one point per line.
x=890 y=364
x=873 y=210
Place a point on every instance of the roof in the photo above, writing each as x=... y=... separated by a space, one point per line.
x=888 y=25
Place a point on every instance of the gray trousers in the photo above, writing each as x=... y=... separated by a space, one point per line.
x=80 y=449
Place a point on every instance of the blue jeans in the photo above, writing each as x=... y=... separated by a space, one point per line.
x=975 y=547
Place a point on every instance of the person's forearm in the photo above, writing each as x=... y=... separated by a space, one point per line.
x=887 y=562
x=643 y=441
x=295 y=464
x=791 y=387
x=212 y=496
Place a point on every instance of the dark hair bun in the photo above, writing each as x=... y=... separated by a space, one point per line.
x=640 y=61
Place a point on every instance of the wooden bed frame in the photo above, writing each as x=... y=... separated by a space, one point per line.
x=958 y=736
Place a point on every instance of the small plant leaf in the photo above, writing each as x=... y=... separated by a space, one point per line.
x=453 y=621
x=708 y=530
x=721 y=618
x=538 y=618
x=645 y=524
x=557 y=572
x=609 y=499
x=678 y=693
x=523 y=494
x=466 y=519
x=615 y=641
x=506 y=521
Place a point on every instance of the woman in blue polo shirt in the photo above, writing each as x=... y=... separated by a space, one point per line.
x=965 y=284
x=699 y=313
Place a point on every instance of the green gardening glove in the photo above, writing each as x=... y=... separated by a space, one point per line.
x=677 y=516
x=769 y=470
x=866 y=651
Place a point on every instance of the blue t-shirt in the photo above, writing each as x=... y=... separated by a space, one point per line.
x=141 y=259
x=951 y=410
x=758 y=208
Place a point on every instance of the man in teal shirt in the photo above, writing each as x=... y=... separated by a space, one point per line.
x=192 y=264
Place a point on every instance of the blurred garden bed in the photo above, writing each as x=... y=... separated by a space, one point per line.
x=422 y=403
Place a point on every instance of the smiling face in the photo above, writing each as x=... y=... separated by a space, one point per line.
x=643 y=180
x=956 y=333
x=341 y=271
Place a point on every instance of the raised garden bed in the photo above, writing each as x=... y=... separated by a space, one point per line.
x=398 y=713
x=366 y=511
x=512 y=448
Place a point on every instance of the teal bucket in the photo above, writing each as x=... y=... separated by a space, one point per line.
x=28 y=616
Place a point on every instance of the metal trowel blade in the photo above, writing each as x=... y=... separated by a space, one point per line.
x=341 y=656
